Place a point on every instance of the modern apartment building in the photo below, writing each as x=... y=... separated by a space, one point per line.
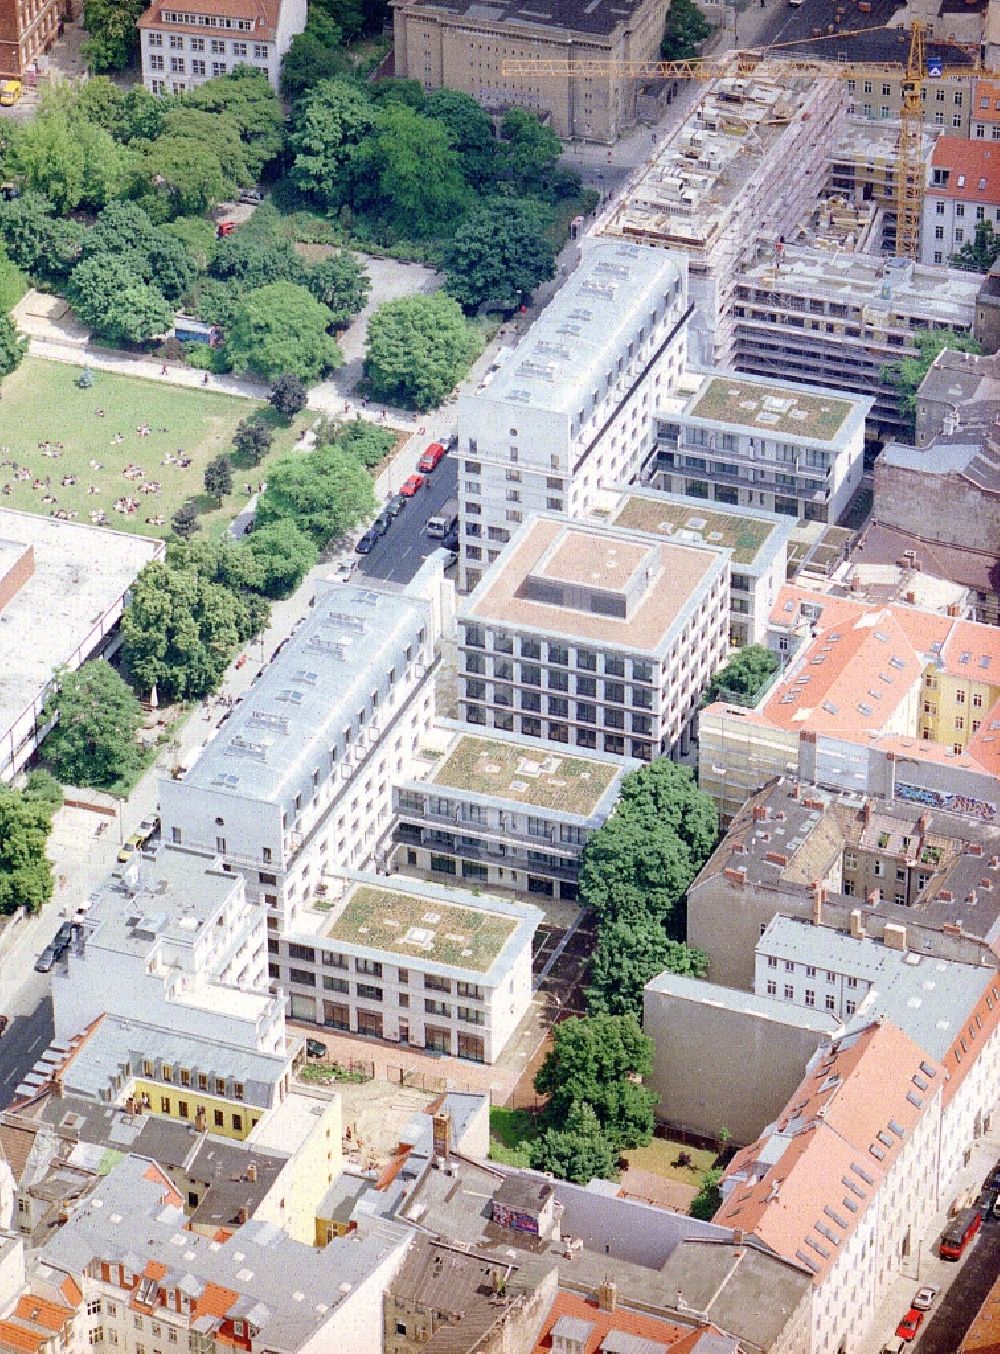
x=593 y=637
x=757 y=542
x=454 y=44
x=570 y=408
x=414 y=963
x=746 y=165
x=838 y=319
x=502 y=812
x=963 y=189
x=750 y=442
x=297 y=783
x=182 y=48
x=27 y=30
x=171 y=940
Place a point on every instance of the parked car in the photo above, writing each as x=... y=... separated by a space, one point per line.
x=451 y=560
x=148 y=828
x=382 y=522
x=894 y=1347
x=923 y=1299
x=367 y=542
x=225 y=228
x=450 y=542
x=987 y=1200
x=63 y=936
x=45 y=961
x=910 y=1324
x=130 y=847
x=395 y=505
x=315 y=1048
x=10 y=92
x=344 y=570
x=4 y=1022
x=252 y=196
x=411 y=484
x=435 y=453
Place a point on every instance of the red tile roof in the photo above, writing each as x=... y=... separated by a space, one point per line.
x=264 y=15
x=990 y=91
x=40 y=1312
x=678 y=1338
x=973 y=169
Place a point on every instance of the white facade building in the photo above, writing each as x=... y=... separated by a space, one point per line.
x=181 y=48
x=571 y=407
x=415 y=963
x=595 y=637
x=297 y=783
x=963 y=190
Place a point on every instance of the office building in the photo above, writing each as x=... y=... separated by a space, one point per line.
x=453 y=44
x=502 y=812
x=413 y=963
x=752 y=443
x=757 y=542
x=594 y=637
x=570 y=408
x=181 y=49
x=297 y=783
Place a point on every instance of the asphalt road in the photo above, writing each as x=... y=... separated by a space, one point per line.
x=943 y=1333
x=27 y=1036
x=398 y=554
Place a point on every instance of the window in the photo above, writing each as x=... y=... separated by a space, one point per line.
x=94 y=1307
x=369 y=993
x=830 y=1001
x=219 y=1119
x=772 y=988
x=810 y=997
x=96 y=1336
x=789 y=992
x=237 y=1123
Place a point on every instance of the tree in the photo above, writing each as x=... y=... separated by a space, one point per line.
x=113 y=36
x=13 y=346
x=181 y=176
x=330 y=123
x=184 y=522
x=341 y=284
x=43 y=786
x=25 y=870
x=313 y=57
x=258 y=253
x=219 y=477
x=979 y=254
x=111 y=298
x=530 y=151
x=594 y=1059
x=684 y=32
x=71 y=162
x=281 y=329
x=324 y=493
x=907 y=374
x=124 y=233
x=129 y=115
x=368 y=442
x=470 y=129
x=285 y=555
x=38 y=242
x=180 y=631
x=419 y=347
x=217 y=129
x=500 y=253
x=707 y=1202
x=289 y=396
x=252 y=440
x=408 y=175
x=578 y=1151
x=745 y=675
x=627 y=956
x=94 y=741
x=246 y=98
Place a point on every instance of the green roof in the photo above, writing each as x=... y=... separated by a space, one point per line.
x=771 y=408
x=744 y=536
x=423 y=928
x=489 y=766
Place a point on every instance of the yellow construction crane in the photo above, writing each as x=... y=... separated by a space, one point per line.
x=914 y=73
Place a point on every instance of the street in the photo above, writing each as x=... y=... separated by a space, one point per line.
x=27 y=1036
x=398 y=554
x=979 y=1268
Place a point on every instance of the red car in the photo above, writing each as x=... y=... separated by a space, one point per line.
x=225 y=228
x=910 y=1324
x=410 y=485
x=431 y=457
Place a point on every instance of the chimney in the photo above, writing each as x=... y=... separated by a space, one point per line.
x=894 y=936
x=201 y=1119
x=735 y=876
x=911 y=597
x=441 y=1133
x=857 y=929
x=607 y=1296
x=794 y=791
x=252 y=1172
x=974 y=849
x=242 y=1216
x=776 y=858
x=874 y=897
x=866 y=812
x=923 y=822
x=819 y=898
x=760 y=813
x=737 y=1236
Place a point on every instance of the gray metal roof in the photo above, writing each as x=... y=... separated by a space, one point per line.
x=745 y=1003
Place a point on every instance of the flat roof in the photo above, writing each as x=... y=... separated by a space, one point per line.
x=526 y=774
x=666 y=582
x=753 y=537
x=743 y=1003
x=582 y=16
x=424 y=926
x=769 y=408
x=81 y=574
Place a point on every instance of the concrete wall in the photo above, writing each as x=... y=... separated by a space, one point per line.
x=937 y=507
x=727 y=1042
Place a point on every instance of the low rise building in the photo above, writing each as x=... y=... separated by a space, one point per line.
x=749 y=442
x=182 y=48
x=297 y=783
x=570 y=408
x=503 y=812
x=27 y=31
x=963 y=189
x=757 y=541
x=594 y=637
x=452 y=44
x=415 y=964
x=62 y=592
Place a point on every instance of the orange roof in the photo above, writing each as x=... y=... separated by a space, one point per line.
x=984 y=746
x=264 y=14
x=983 y=1336
x=71 y=1291
x=679 y=1338
x=154 y=1270
x=848 y=1120
x=41 y=1312
x=988 y=91
x=18 y=1338
x=972 y=168
x=972 y=651
x=215 y=1301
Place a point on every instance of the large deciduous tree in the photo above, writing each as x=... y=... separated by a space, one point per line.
x=113 y=35
x=408 y=176
x=285 y=555
x=341 y=284
x=685 y=30
x=25 y=870
x=578 y=1150
x=13 y=346
x=282 y=328
x=628 y=955
x=324 y=493
x=499 y=255
x=419 y=347
x=744 y=675
x=329 y=125
x=94 y=741
x=111 y=298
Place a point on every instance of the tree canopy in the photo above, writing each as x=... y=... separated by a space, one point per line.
x=329 y=125
x=113 y=300
x=627 y=956
x=408 y=175
x=499 y=255
x=419 y=347
x=744 y=675
x=113 y=37
x=25 y=870
x=13 y=346
x=324 y=493
x=979 y=254
x=707 y=1202
x=282 y=328
x=94 y=741
x=907 y=374
x=285 y=555
x=595 y=1060
x=578 y=1150
x=341 y=284
x=685 y=30
x=70 y=161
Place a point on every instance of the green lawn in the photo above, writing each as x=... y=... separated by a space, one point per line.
x=660 y=1157
x=511 y=1132
x=40 y=402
